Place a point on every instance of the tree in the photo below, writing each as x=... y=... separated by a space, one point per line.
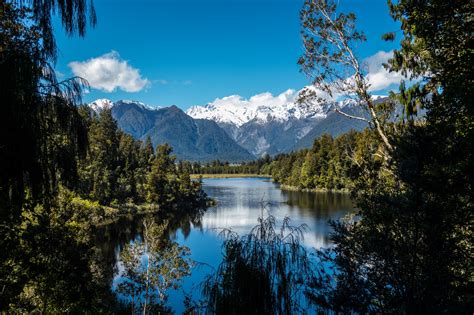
x=331 y=62
x=409 y=250
x=151 y=268
x=74 y=15
x=41 y=132
x=161 y=177
x=263 y=272
x=104 y=157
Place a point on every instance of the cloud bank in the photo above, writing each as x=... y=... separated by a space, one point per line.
x=262 y=99
x=379 y=78
x=109 y=72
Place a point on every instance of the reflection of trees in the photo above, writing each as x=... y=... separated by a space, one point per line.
x=151 y=268
x=264 y=272
x=110 y=237
x=321 y=204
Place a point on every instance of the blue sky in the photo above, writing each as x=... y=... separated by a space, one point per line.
x=191 y=52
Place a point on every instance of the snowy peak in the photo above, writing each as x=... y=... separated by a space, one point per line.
x=263 y=107
x=139 y=104
x=101 y=104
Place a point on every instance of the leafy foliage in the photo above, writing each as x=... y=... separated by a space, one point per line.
x=62 y=168
x=409 y=250
x=330 y=39
x=263 y=272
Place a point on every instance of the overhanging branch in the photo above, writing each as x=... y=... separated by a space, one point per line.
x=351 y=116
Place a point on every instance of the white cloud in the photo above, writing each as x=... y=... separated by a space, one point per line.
x=262 y=99
x=379 y=78
x=109 y=72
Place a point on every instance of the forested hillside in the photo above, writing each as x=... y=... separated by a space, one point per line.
x=327 y=165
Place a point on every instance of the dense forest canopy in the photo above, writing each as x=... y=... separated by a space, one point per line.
x=327 y=165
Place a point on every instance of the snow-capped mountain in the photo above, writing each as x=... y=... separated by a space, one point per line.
x=275 y=124
x=101 y=104
x=191 y=139
x=140 y=104
x=263 y=108
x=262 y=124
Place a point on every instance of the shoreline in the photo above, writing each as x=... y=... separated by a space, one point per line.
x=196 y=176
x=314 y=190
x=281 y=186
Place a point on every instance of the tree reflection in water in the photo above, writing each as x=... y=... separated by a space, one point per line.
x=264 y=272
x=150 y=268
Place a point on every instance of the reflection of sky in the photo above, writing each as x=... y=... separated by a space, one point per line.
x=239 y=204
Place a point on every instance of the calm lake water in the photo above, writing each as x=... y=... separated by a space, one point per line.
x=239 y=204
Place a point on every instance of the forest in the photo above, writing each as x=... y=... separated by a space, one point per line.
x=65 y=170
x=326 y=166
x=407 y=248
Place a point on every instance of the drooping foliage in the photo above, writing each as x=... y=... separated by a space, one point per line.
x=41 y=130
x=41 y=135
x=264 y=272
x=74 y=15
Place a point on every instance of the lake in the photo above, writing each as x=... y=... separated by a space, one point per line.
x=240 y=201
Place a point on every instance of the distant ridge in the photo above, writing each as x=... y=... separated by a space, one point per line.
x=191 y=139
x=235 y=133
x=281 y=126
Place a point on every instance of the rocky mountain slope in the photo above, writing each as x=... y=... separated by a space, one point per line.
x=235 y=129
x=191 y=139
x=277 y=128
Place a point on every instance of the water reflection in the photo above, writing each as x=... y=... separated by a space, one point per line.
x=239 y=206
x=149 y=267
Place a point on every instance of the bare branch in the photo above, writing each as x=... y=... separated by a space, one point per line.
x=331 y=61
x=351 y=116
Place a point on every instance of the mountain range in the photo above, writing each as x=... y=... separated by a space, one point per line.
x=230 y=131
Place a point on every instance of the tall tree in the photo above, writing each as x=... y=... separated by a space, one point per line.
x=40 y=129
x=41 y=132
x=410 y=250
x=162 y=176
x=331 y=62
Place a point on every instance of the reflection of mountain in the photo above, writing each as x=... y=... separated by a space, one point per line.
x=319 y=208
x=239 y=206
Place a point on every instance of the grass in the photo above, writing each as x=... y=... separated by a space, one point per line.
x=229 y=175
